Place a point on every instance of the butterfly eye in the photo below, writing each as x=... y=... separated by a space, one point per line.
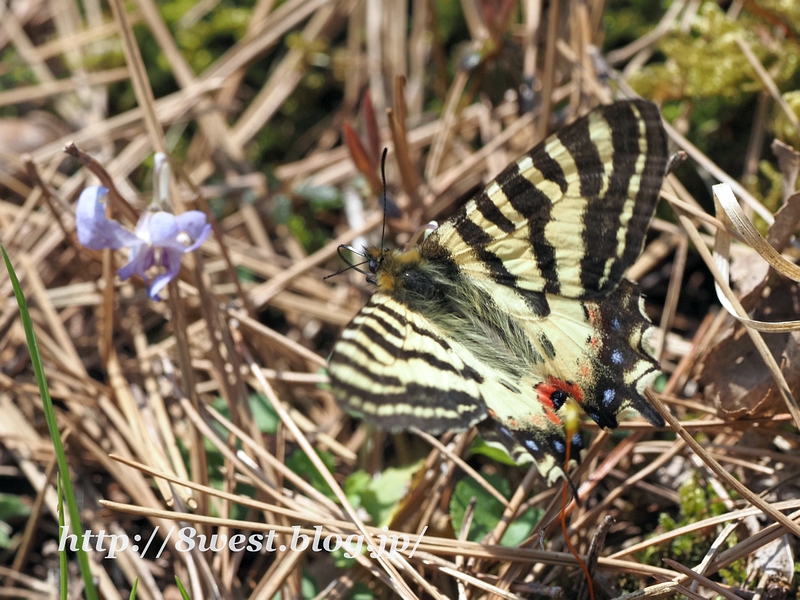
x=373 y=265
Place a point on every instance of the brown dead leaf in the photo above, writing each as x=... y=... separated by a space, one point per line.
x=750 y=273
x=789 y=162
x=733 y=376
x=786 y=221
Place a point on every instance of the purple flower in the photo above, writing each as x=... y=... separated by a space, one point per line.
x=157 y=244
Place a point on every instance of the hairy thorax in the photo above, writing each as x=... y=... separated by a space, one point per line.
x=460 y=307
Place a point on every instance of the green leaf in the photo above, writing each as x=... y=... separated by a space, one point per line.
x=488 y=511
x=182 y=590
x=308 y=586
x=5 y=535
x=266 y=418
x=12 y=506
x=496 y=454
x=381 y=498
x=302 y=465
x=355 y=485
x=520 y=530
x=324 y=197
x=360 y=592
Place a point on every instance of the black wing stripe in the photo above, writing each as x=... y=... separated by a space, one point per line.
x=549 y=167
x=406 y=323
x=579 y=144
x=376 y=338
x=491 y=213
x=379 y=379
x=649 y=187
x=600 y=238
x=547 y=346
x=530 y=201
x=433 y=408
x=388 y=327
x=477 y=239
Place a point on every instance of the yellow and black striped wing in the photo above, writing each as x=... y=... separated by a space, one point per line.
x=396 y=369
x=517 y=304
x=570 y=216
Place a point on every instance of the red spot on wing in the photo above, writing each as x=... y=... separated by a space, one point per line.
x=571 y=388
x=551 y=414
x=537 y=421
x=546 y=389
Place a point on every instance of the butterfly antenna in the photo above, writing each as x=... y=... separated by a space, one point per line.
x=355 y=266
x=349 y=264
x=383 y=178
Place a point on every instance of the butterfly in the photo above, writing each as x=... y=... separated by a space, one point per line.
x=517 y=304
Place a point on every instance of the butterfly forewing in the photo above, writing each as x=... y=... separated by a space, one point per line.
x=393 y=368
x=570 y=216
x=517 y=305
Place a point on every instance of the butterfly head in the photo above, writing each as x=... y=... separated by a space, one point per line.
x=375 y=257
x=400 y=273
x=391 y=270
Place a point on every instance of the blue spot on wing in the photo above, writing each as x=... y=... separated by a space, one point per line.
x=608 y=397
x=531 y=445
x=616 y=357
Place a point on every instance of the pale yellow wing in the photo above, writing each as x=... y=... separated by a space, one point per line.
x=570 y=216
x=396 y=369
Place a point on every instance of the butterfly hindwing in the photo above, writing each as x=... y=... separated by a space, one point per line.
x=619 y=337
x=593 y=353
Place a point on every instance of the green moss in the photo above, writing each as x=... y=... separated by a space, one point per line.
x=706 y=61
x=783 y=128
x=695 y=504
x=628 y=20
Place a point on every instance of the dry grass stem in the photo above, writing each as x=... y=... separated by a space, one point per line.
x=212 y=409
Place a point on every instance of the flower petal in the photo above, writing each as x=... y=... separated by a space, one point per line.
x=200 y=239
x=171 y=261
x=141 y=258
x=95 y=230
x=192 y=222
x=163 y=229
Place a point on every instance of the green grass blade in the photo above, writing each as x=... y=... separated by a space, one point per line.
x=184 y=593
x=62 y=556
x=133 y=589
x=50 y=416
